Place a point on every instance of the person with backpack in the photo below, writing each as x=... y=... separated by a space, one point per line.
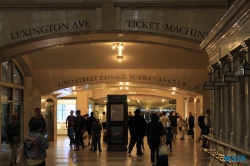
x=96 y=135
x=35 y=145
x=205 y=131
x=201 y=124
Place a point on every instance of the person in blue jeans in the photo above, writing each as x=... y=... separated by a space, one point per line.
x=169 y=138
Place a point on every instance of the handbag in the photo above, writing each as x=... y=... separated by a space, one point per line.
x=164 y=149
x=21 y=158
x=85 y=135
x=16 y=139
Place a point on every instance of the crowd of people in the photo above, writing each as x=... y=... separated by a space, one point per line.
x=161 y=129
x=157 y=127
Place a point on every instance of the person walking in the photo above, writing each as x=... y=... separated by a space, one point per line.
x=169 y=139
x=14 y=137
x=182 y=127
x=201 y=124
x=173 y=119
x=165 y=121
x=96 y=135
x=206 y=129
x=38 y=116
x=79 y=128
x=191 y=125
x=35 y=144
x=69 y=125
x=137 y=128
x=104 y=121
x=89 y=124
x=154 y=133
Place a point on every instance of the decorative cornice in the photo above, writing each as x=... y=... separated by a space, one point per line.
x=215 y=4
x=232 y=21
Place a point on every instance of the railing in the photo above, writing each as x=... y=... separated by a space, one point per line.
x=223 y=152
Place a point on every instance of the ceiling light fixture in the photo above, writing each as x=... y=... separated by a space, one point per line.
x=119 y=46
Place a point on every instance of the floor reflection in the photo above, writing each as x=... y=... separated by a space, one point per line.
x=185 y=153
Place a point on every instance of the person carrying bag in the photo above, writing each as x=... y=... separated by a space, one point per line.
x=14 y=137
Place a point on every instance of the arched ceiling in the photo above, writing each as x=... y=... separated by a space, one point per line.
x=181 y=55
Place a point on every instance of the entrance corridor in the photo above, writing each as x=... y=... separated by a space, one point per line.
x=185 y=153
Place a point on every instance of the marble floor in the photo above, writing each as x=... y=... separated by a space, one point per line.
x=185 y=153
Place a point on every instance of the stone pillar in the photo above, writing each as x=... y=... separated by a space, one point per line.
x=247 y=101
x=232 y=134
x=221 y=124
x=226 y=111
x=206 y=101
x=108 y=17
x=216 y=111
x=82 y=102
x=197 y=112
x=212 y=113
x=28 y=107
x=180 y=105
x=239 y=107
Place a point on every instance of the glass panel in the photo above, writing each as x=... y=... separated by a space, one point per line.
x=5 y=115
x=6 y=93
x=18 y=78
x=17 y=111
x=7 y=71
x=18 y=95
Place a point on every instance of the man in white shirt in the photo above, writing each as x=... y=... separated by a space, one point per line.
x=104 y=121
x=165 y=121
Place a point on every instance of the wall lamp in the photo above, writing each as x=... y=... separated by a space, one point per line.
x=209 y=85
x=218 y=82
x=242 y=69
x=228 y=76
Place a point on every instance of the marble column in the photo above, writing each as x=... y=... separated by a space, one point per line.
x=221 y=124
x=247 y=101
x=217 y=117
x=28 y=107
x=239 y=107
x=232 y=134
x=212 y=113
x=225 y=100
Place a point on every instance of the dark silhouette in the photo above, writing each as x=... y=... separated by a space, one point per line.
x=137 y=128
x=154 y=132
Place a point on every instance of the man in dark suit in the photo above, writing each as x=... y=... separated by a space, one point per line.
x=137 y=128
x=79 y=127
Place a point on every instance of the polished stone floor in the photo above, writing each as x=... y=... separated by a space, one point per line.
x=185 y=153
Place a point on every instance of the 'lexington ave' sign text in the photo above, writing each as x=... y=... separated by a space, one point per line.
x=86 y=24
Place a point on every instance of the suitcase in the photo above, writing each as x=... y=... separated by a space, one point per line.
x=162 y=160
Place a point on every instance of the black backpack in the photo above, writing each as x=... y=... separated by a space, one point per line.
x=201 y=121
